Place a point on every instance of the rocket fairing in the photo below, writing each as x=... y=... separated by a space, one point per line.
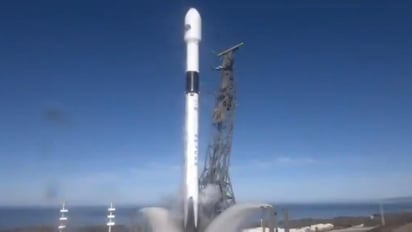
x=192 y=37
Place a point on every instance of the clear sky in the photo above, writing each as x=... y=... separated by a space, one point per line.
x=92 y=99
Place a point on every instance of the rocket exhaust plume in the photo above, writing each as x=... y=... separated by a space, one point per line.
x=192 y=37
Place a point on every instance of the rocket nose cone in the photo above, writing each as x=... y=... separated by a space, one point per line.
x=193 y=24
x=192 y=15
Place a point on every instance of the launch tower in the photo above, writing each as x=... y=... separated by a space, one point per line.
x=216 y=169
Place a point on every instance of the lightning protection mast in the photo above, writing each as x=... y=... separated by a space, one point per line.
x=110 y=217
x=63 y=218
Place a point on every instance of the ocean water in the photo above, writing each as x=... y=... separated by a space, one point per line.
x=11 y=217
x=298 y=211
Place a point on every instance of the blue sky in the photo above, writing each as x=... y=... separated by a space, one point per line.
x=92 y=99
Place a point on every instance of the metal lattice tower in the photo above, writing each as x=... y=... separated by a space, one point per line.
x=216 y=169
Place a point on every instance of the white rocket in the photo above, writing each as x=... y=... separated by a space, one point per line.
x=193 y=35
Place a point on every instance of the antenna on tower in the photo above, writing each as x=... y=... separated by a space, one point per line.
x=111 y=216
x=63 y=218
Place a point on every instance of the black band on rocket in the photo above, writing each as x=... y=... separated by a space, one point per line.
x=192 y=82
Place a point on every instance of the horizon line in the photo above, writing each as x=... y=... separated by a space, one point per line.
x=139 y=205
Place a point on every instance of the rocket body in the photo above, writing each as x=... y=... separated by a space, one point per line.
x=192 y=39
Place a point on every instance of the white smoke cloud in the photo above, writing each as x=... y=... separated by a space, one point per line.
x=210 y=195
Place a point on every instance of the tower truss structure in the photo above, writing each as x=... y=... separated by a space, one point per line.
x=216 y=169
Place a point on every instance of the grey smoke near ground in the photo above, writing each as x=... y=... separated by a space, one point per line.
x=174 y=204
x=210 y=195
x=231 y=220
x=170 y=218
x=208 y=198
x=158 y=220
